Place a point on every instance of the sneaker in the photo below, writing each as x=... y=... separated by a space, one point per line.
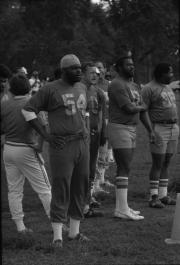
x=57 y=244
x=26 y=231
x=92 y=213
x=128 y=216
x=79 y=237
x=94 y=203
x=134 y=212
x=168 y=200
x=155 y=202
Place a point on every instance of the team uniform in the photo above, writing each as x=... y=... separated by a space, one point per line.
x=66 y=107
x=162 y=109
x=121 y=131
x=122 y=126
x=20 y=158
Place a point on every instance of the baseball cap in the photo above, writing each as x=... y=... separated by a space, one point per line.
x=69 y=60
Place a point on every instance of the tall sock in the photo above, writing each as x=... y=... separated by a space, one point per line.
x=74 y=227
x=101 y=174
x=57 y=231
x=121 y=194
x=154 y=185
x=163 y=184
x=19 y=224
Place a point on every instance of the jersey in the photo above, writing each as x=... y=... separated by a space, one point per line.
x=66 y=106
x=96 y=104
x=160 y=100
x=120 y=94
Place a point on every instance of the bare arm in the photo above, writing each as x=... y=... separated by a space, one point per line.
x=144 y=117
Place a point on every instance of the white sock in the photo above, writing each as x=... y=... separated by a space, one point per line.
x=74 y=227
x=57 y=231
x=101 y=174
x=121 y=194
x=19 y=224
x=163 y=184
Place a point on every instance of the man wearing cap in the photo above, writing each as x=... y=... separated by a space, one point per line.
x=65 y=102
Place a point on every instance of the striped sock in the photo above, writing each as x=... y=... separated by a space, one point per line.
x=154 y=184
x=163 y=184
x=121 y=194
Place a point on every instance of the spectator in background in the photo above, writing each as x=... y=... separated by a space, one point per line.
x=105 y=152
x=5 y=74
x=34 y=81
x=96 y=107
x=161 y=103
x=22 y=70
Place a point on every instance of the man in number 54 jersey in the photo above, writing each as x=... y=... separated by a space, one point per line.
x=65 y=102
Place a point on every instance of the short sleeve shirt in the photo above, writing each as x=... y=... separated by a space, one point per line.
x=95 y=106
x=160 y=100
x=66 y=106
x=120 y=94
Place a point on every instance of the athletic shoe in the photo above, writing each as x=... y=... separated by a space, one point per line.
x=168 y=200
x=155 y=202
x=79 y=237
x=26 y=231
x=57 y=244
x=92 y=213
x=94 y=203
x=128 y=216
x=134 y=212
x=107 y=183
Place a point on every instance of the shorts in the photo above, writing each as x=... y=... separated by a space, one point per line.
x=121 y=135
x=166 y=138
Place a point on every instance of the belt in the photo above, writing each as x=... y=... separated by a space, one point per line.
x=167 y=122
x=73 y=137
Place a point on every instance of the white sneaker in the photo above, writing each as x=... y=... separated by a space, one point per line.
x=128 y=216
x=134 y=212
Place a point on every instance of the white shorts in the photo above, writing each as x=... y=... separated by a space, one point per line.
x=166 y=138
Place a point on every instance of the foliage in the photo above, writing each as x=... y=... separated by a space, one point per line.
x=38 y=33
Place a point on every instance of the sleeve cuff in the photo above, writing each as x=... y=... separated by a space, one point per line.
x=29 y=115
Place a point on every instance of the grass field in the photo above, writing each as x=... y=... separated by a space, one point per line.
x=112 y=241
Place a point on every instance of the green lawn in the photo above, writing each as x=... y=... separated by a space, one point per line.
x=112 y=241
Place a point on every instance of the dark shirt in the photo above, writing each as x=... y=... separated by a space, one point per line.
x=121 y=93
